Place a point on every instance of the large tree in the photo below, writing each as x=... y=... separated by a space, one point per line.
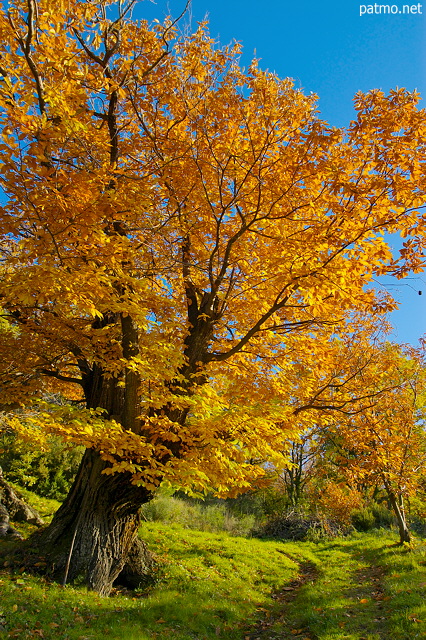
x=176 y=232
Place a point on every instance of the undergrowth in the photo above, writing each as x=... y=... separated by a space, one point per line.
x=195 y=515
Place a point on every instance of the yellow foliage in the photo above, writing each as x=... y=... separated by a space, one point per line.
x=337 y=501
x=378 y=439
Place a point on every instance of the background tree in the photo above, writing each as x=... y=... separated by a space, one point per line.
x=382 y=444
x=294 y=479
x=174 y=231
x=326 y=391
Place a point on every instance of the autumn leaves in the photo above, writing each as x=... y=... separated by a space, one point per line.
x=152 y=183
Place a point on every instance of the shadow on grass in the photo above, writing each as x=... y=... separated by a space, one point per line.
x=31 y=608
x=210 y=588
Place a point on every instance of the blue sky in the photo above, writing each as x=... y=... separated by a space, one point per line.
x=330 y=49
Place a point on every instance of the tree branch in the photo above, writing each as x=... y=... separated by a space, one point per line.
x=25 y=45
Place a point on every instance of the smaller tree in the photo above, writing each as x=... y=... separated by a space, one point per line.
x=381 y=441
x=302 y=456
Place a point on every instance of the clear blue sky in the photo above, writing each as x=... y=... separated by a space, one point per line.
x=328 y=48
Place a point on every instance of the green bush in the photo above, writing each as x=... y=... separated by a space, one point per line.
x=373 y=516
x=363 y=519
x=48 y=472
x=262 y=503
x=382 y=516
x=418 y=525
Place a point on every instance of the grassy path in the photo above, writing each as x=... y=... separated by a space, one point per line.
x=279 y=621
x=361 y=589
x=216 y=587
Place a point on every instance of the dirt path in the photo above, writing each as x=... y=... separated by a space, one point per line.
x=343 y=596
x=264 y=628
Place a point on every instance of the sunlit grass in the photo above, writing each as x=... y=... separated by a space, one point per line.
x=213 y=586
x=45 y=506
x=368 y=588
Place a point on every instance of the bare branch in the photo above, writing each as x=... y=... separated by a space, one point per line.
x=25 y=45
x=59 y=376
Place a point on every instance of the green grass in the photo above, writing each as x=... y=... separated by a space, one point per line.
x=212 y=586
x=213 y=583
x=368 y=589
x=215 y=586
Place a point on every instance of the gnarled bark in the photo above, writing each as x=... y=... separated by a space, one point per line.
x=94 y=532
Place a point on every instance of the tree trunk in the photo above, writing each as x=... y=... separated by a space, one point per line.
x=404 y=533
x=94 y=532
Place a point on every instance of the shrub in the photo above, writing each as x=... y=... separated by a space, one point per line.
x=48 y=471
x=337 y=501
x=418 y=525
x=266 y=502
x=372 y=516
x=297 y=526
x=382 y=516
x=363 y=519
